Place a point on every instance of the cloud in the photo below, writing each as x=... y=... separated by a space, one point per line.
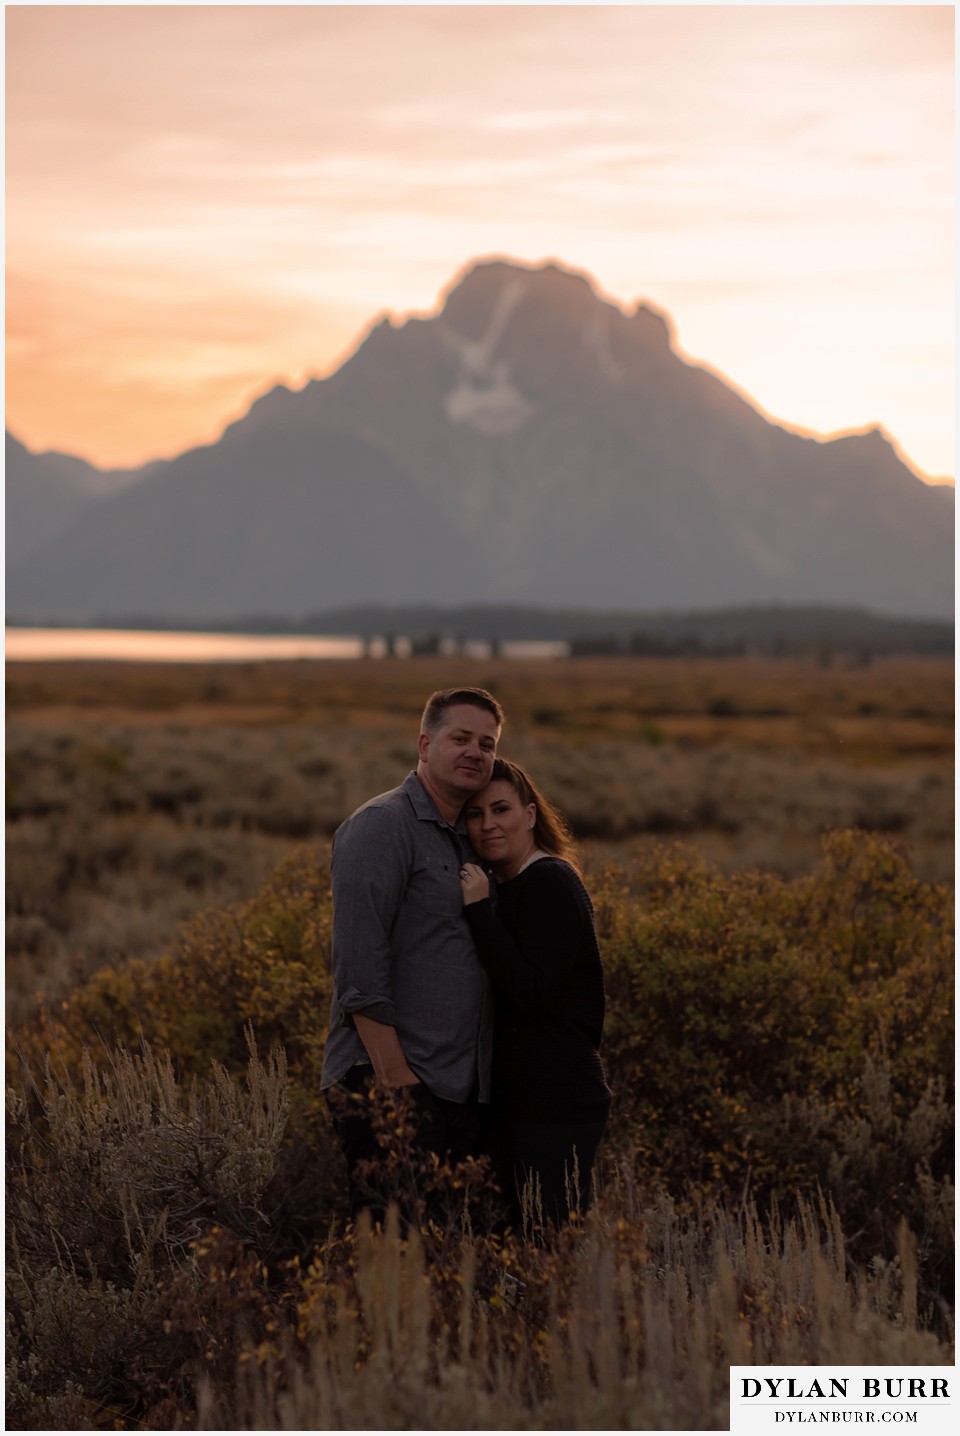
x=270 y=177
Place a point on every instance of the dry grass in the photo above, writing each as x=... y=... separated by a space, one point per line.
x=602 y=691
x=633 y=1325
x=141 y=1294
x=140 y=793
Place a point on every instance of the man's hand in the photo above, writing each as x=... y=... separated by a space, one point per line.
x=474 y=882
x=390 y=1066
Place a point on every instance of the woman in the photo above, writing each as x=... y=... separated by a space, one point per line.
x=538 y=944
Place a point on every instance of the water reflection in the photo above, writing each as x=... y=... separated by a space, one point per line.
x=134 y=646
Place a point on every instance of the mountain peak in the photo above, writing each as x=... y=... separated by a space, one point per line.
x=492 y=285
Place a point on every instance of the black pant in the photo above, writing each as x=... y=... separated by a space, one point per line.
x=399 y=1144
x=545 y=1168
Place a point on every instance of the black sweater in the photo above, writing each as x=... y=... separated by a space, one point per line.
x=539 y=947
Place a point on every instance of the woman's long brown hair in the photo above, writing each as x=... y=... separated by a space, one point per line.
x=551 y=832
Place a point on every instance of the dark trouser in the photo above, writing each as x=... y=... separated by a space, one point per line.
x=546 y=1168
x=390 y=1138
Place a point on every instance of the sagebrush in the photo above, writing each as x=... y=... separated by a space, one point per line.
x=775 y=1184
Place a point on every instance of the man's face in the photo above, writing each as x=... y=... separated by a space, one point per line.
x=459 y=756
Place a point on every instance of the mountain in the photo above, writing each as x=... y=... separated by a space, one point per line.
x=530 y=442
x=45 y=493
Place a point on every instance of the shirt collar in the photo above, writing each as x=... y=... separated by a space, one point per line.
x=424 y=806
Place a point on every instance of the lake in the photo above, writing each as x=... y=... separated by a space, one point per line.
x=43 y=645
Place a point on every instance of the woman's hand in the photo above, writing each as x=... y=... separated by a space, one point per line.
x=475 y=883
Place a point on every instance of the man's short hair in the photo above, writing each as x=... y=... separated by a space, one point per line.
x=438 y=703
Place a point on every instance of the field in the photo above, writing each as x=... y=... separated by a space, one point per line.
x=769 y=844
x=137 y=795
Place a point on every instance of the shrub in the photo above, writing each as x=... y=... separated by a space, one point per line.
x=262 y=964
x=755 y=1026
x=129 y=1163
x=115 y=1183
x=780 y=1053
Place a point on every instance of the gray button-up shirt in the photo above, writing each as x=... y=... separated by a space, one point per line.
x=402 y=950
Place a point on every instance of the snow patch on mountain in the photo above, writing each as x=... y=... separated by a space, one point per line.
x=491 y=405
x=485 y=398
x=597 y=341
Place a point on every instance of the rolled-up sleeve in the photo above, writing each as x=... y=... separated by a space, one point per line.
x=370 y=867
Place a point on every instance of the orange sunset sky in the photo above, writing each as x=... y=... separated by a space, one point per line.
x=204 y=200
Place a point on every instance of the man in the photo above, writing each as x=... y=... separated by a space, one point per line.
x=412 y=1009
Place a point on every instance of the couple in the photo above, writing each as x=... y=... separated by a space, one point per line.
x=476 y=998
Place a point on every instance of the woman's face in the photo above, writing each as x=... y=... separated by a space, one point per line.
x=500 y=826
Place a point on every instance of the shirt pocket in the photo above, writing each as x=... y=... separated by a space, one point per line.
x=439 y=887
